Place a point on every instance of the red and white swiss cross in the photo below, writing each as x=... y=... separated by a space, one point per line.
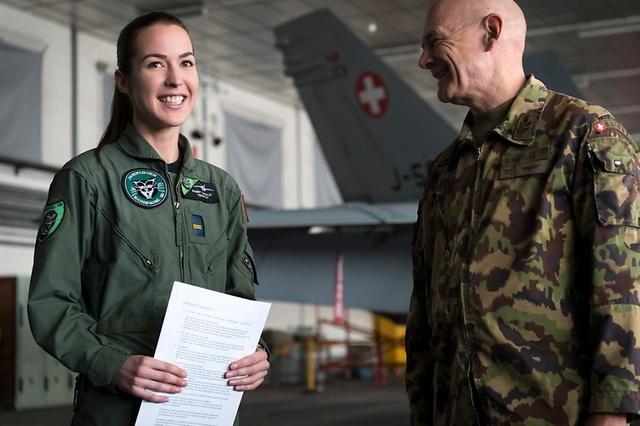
x=372 y=94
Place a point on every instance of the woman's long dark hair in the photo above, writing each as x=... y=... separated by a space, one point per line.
x=121 y=108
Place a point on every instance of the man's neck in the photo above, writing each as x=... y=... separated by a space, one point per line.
x=493 y=97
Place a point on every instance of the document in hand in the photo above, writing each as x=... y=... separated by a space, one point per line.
x=203 y=332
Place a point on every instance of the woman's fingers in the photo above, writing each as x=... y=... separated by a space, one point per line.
x=248 y=380
x=142 y=375
x=249 y=370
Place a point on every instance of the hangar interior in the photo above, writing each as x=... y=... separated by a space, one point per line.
x=57 y=62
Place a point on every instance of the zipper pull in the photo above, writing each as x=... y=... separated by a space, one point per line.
x=591 y=157
x=148 y=264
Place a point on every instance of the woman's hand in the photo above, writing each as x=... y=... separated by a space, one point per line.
x=254 y=367
x=142 y=375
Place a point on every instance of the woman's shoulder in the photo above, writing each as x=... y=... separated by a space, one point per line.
x=217 y=176
x=84 y=164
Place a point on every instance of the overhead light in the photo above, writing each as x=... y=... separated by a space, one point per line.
x=591 y=28
x=317 y=230
x=372 y=27
x=607 y=31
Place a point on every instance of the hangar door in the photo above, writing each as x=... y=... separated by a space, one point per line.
x=254 y=159
x=21 y=106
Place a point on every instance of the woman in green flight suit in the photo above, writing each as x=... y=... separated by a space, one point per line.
x=126 y=220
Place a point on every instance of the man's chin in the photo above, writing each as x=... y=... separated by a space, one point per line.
x=444 y=97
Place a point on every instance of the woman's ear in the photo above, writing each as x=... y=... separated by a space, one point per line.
x=492 y=27
x=121 y=82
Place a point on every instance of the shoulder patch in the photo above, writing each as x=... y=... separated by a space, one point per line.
x=51 y=219
x=194 y=189
x=144 y=187
x=608 y=126
x=245 y=211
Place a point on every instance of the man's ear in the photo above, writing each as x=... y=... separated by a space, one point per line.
x=121 y=82
x=492 y=26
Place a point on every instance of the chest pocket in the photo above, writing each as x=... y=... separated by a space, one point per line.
x=615 y=181
x=520 y=162
x=205 y=244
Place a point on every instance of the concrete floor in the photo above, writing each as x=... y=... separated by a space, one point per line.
x=344 y=404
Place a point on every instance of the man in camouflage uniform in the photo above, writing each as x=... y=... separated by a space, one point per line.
x=525 y=308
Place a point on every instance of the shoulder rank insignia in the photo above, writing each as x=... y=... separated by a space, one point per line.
x=51 y=219
x=194 y=189
x=526 y=125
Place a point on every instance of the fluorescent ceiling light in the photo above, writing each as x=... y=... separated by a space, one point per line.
x=607 y=31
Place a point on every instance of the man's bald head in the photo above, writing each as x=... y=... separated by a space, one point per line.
x=470 y=10
x=474 y=46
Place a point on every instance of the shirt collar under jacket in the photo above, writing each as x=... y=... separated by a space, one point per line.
x=520 y=123
x=135 y=145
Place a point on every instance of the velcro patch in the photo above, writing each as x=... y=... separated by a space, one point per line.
x=194 y=189
x=51 y=219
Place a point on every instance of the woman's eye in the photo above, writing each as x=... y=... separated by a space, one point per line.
x=188 y=63
x=154 y=64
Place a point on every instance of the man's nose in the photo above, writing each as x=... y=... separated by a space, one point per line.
x=425 y=61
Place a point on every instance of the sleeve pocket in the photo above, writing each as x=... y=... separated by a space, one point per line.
x=615 y=182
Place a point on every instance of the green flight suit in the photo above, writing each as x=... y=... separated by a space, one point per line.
x=115 y=236
x=526 y=299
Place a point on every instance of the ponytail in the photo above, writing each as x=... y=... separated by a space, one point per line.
x=121 y=116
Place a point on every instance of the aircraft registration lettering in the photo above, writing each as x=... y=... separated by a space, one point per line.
x=416 y=175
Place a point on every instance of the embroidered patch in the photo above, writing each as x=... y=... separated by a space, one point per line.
x=599 y=127
x=51 y=219
x=197 y=225
x=144 y=187
x=195 y=189
x=526 y=126
x=525 y=162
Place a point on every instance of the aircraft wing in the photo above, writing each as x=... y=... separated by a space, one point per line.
x=344 y=215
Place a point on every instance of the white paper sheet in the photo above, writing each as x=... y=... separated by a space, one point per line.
x=203 y=332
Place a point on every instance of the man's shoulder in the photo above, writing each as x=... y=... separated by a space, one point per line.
x=445 y=155
x=563 y=107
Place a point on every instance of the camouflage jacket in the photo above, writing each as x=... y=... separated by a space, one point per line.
x=525 y=307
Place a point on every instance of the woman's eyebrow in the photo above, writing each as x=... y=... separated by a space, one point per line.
x=161 y=56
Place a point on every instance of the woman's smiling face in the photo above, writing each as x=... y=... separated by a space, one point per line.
x=163 y=81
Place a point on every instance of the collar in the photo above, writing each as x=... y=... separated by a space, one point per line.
x=135 y=145
x=521 y=121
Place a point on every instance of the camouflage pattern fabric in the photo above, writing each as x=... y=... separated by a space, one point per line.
x=525 y=307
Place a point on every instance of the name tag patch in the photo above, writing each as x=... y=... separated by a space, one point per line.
x=195 y=189
x=524 y=163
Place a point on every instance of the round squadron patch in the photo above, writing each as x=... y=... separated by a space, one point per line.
x=144 y=187
x=51 y=219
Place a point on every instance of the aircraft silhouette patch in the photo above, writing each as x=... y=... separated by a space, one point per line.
x=194 y=189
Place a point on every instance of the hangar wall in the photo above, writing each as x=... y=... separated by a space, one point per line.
x=32 y=32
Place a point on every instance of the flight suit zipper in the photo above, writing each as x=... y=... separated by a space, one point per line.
x=175 y=202
x=146 y=262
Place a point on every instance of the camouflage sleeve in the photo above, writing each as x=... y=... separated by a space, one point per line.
x=419 y=358
x=606 y=200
